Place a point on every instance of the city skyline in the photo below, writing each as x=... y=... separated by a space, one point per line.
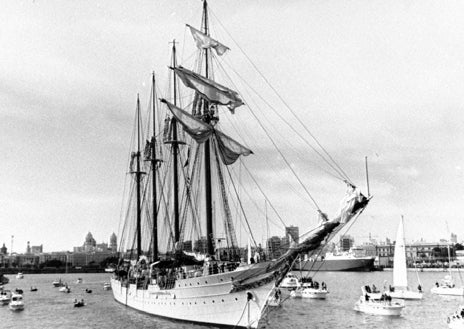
x=369 y=78
x=358 y=241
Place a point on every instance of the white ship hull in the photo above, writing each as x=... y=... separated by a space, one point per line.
x=406 y=294
x=379 y=308
x=455 y=322
x=443 y=290
x=194 y=301
x=309 y=293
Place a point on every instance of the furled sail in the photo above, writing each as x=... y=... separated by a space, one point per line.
x=310 y=242
x=353 y=201
x=200 y=131
x=230 y=149
x=204 y=41
x=211 y=90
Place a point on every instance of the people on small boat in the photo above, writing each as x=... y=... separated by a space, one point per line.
x=89 y=291
x=386 y=297
x=19 y=291
x=374 y=289
x=78 y=303
x=436 y=284
x=324 y=286
x=419 y=288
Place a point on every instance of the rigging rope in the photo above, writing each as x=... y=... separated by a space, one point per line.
x=341 y=171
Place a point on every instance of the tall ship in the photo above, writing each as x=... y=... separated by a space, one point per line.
x=336 y=261
x=188 y=192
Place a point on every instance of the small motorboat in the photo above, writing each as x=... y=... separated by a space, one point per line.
x=382 y=306
x=456 y=320
x=65 y=289
x=16 y=303
x=20 y=275
x=290 y=282
x=33 y=288
x=79 y=303
x=19 y=291
x=106 y=286
x=306 y=292
x=79 y=280
x=89 y=291
x=310 y=289
x=57 y=283
x=5 y=297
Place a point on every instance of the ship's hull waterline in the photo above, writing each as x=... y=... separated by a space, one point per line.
x=218 y=306
x=364 y=264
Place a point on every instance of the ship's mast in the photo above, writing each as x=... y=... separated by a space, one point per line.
x=207 y=119
x=154 y=164
x=138 y=178
x=175 y=152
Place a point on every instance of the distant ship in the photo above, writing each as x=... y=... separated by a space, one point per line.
x=337 y=261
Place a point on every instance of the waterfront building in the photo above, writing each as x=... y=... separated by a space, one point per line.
x=37 y=249
x=113 y=243
x=426 y=254
x=346 y=242
x=3 y=250
x=274 y=247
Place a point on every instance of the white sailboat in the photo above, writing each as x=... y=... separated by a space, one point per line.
x=447 y=285
x=400 y=272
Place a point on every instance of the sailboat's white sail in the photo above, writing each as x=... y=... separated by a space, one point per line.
x=400 y=274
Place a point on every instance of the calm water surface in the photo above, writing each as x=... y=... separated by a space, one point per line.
x=49 y=308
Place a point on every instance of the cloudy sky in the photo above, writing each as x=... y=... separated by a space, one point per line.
x=369 y=78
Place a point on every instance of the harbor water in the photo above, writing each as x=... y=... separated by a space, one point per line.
x=49 y=308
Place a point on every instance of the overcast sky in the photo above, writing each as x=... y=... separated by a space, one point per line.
x=370 y=78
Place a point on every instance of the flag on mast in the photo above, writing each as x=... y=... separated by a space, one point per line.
x=204 y=41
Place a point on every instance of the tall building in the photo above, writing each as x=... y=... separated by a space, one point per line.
x=90 y=242
x=3 y=250
x=346 y=242
x=37 y=249
x=274 y=245
x=113 y=243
